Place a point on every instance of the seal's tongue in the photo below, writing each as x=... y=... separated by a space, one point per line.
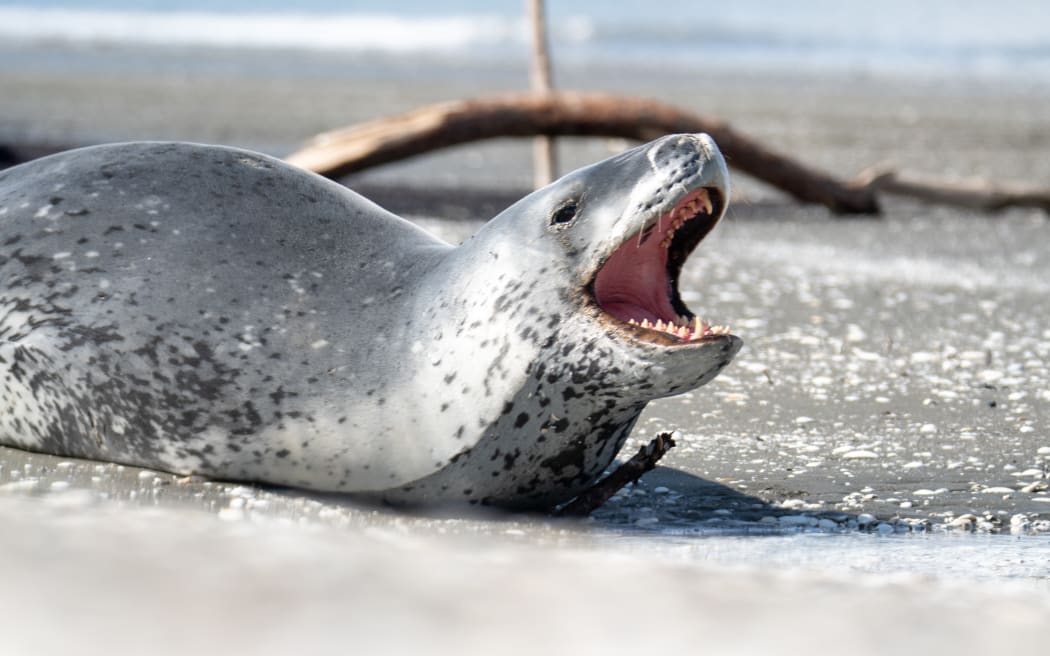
x=638 y=283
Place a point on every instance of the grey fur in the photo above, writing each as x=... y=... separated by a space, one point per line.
x=202 y=309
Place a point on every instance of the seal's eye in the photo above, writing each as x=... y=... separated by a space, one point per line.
x=564 y=214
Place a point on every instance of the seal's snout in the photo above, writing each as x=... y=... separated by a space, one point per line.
x=680 y=157
x=705 y=143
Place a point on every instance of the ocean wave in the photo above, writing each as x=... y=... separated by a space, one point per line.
x=1005 y=41
x=346 y=32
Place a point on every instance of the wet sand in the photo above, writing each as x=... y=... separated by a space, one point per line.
x=842 y=481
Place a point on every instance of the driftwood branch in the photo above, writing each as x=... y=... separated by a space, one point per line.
x=429 y=128
x=974 y=194
x=630 y=471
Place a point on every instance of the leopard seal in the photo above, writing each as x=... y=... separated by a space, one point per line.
x=208 y=310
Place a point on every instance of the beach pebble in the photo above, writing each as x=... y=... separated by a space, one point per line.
x=963 y=521
x=661 y=490
x=928 y=429
x=885 y=528
x=1043 y=451
x=826 y=524
x=906 y=504
x=58 y=486
x=1030 y=472
x=923 y=357
x=1019 y=523
x=865 y=519
x=1037 y=486
x=71 y=499
x=859 y=454
x=989 y=376
x=23 y=485
x=867 y=356
x=231 y=514
x=797 y=520
x=997 y=490
x=925 y=492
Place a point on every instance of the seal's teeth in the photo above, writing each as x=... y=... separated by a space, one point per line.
x=660 y=325
x=646 y=324
x=632 y=322
x=705 y=202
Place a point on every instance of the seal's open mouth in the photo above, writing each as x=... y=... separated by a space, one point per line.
x=638 y=284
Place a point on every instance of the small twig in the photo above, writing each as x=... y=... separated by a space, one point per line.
x=544 y=165
x=595 y=496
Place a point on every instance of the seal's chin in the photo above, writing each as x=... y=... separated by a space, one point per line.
x=637 y=286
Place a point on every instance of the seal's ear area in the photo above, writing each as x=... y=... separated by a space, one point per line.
x=564 y=214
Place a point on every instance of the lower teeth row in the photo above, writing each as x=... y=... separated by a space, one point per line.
x=682 y=327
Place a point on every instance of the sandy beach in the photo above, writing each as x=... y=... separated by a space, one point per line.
x=871 y=471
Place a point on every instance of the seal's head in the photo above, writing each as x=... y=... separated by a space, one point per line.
x=621 y=231
x=564 y=322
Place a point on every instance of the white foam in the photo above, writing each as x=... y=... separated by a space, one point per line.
x=347 y=32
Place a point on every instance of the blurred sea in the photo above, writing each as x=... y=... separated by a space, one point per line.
x=1008 y=40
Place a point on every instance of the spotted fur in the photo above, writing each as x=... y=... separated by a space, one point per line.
x=208 y=310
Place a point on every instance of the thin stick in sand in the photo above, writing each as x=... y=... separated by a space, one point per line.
x=543 y=158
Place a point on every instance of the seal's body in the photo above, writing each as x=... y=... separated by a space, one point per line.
x=208 y=310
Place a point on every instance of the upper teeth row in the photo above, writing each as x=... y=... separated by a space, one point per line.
x=702 y=202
